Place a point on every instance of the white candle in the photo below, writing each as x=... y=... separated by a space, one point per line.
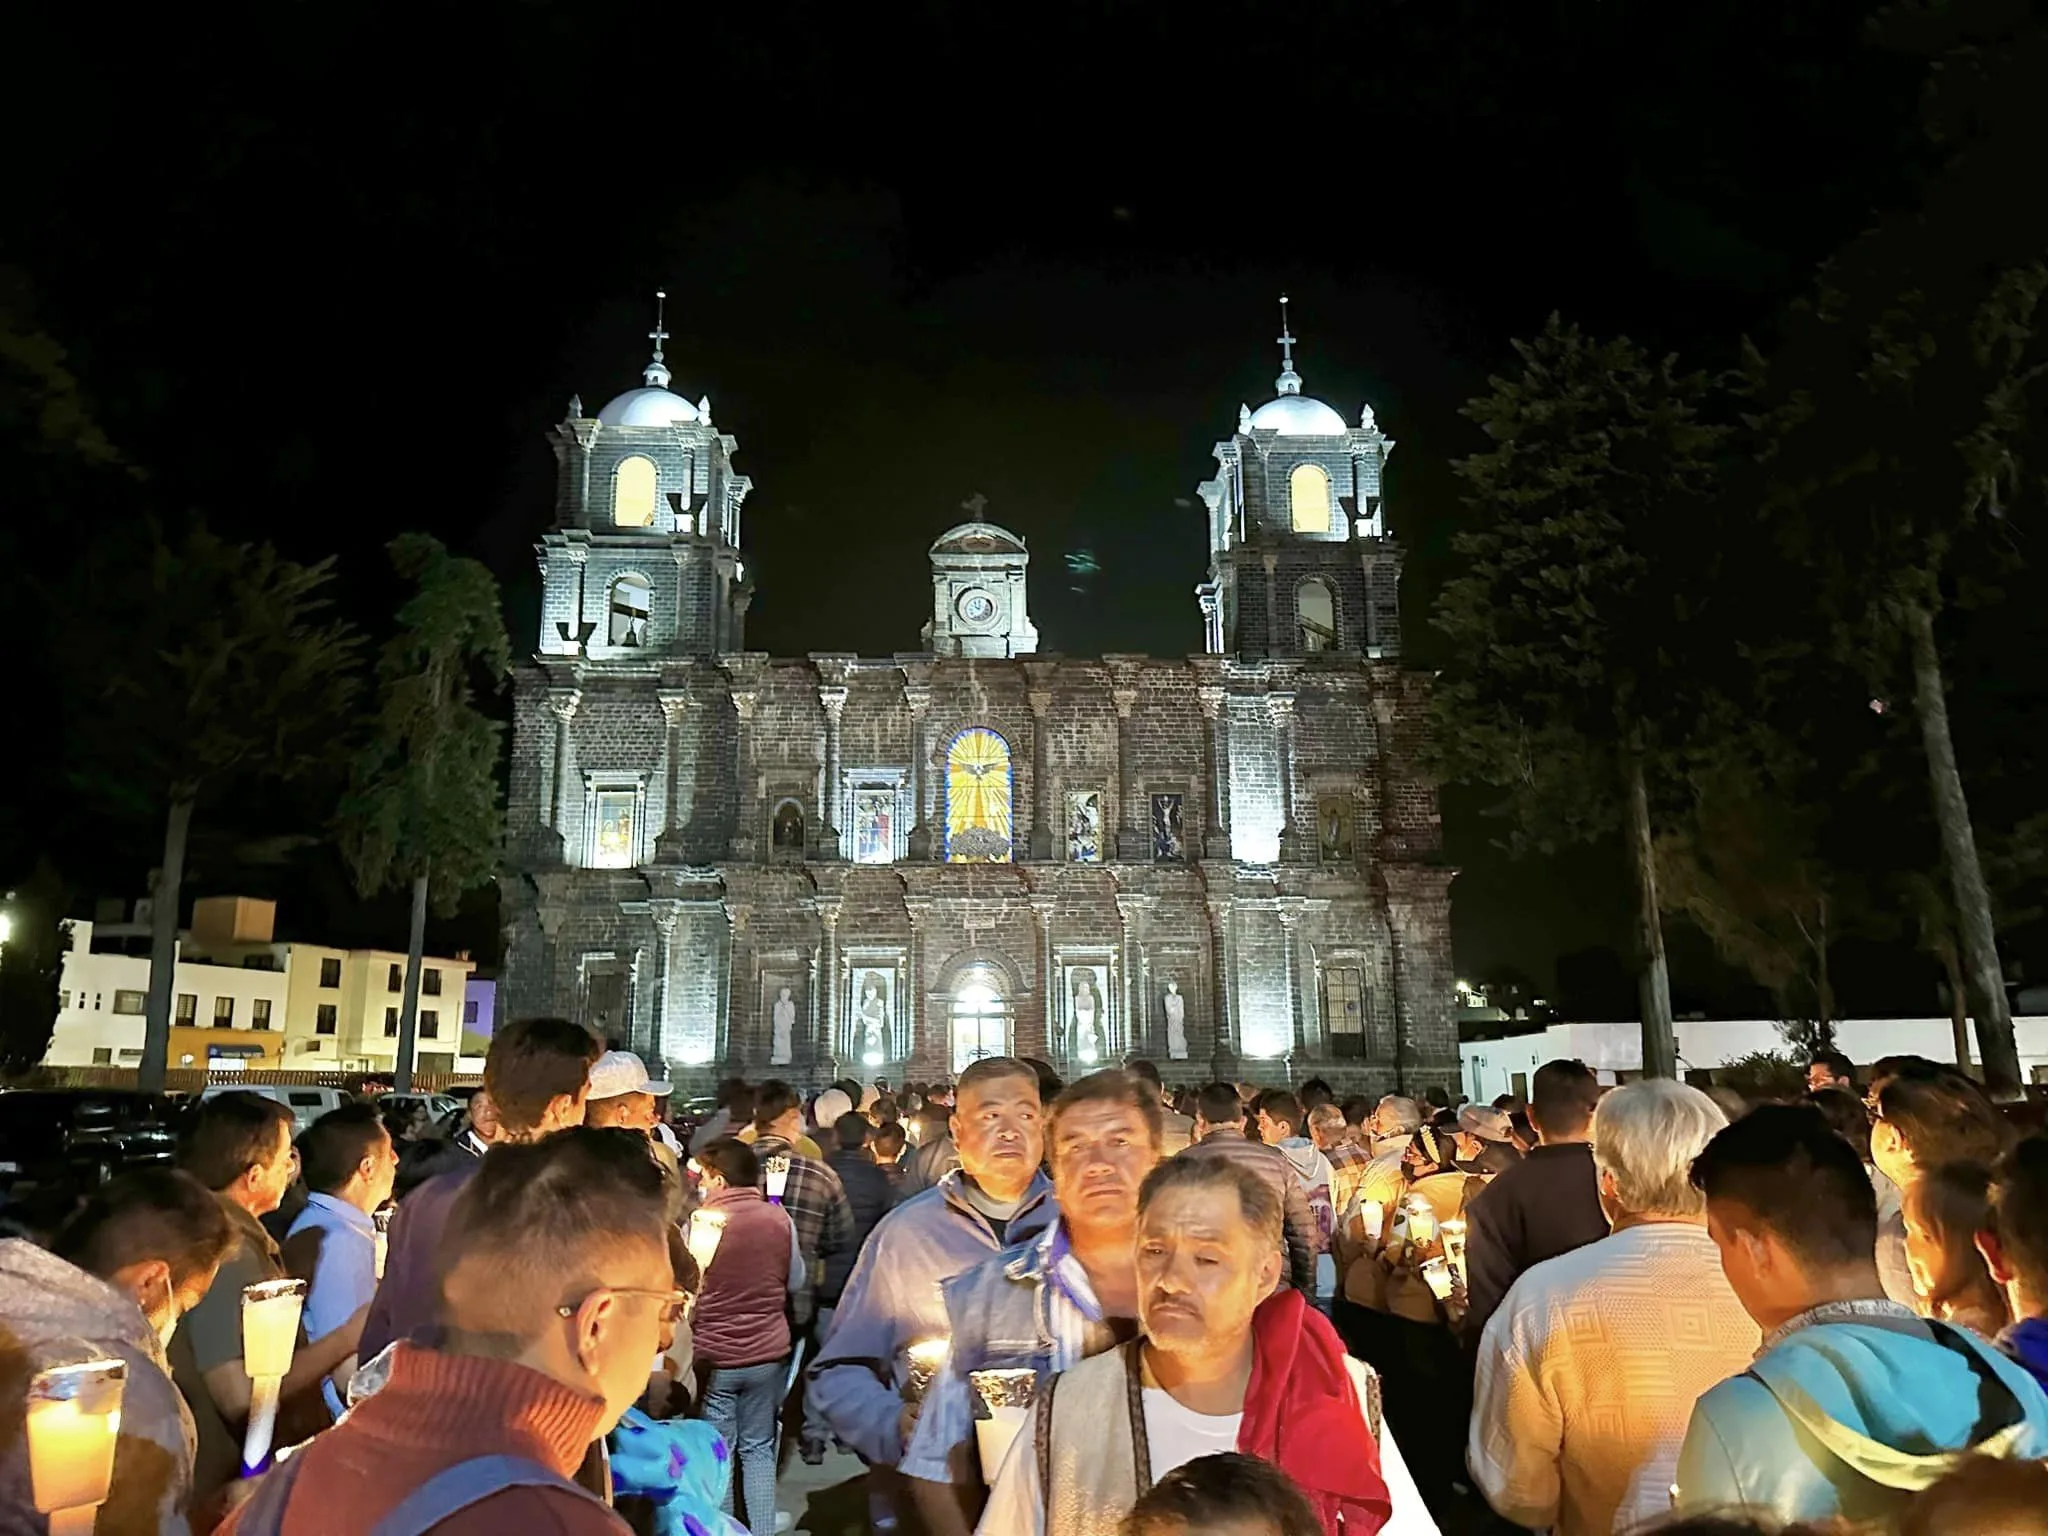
x=382 y=1221
x=270 y=1325
x=1008 y=1396
x=1454 y=1246
x=73 y=1423
x=1437 y=1275
x=706 y=1229
x=1421 y=1221
x=778 y=1176
x=1372 y=1217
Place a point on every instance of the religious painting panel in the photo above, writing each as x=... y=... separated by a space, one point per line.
x=877 y=1028
x=978 y=798
x=1169 y=837
x=1086 y=1008
x=612 y=811
x=874 y=824
x=1084 y=826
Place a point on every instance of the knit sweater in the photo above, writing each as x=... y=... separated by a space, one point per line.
x=438 y=1410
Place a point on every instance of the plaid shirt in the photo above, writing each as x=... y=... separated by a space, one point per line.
x=816 y=1202
x=1348 y=1162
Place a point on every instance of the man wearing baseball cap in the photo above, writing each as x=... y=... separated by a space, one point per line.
x=623 y=1097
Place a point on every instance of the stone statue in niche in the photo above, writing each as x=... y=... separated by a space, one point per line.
x=788 y=831
x=1333 y=819
x=783 y=1019
x=872 y=1016
x=1086 y=992
x=1176 y=1009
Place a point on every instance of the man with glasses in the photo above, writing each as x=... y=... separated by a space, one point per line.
x=555 y=1294
x=239 y=1145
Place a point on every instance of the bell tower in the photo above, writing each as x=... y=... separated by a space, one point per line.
x=1300 y=561
x=645 y=554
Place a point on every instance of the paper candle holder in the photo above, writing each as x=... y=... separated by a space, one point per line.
x=1007 y=1397
x=776 y=1170
x=270 y=1326
x=927 y=1358
x=73 y=1425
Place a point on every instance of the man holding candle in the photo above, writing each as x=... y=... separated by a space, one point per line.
x=811 y=1192
x=239 y=1145
x=139 y=1253
x=1227 y=1361
x=349 y=1165
x=1047 y=1304
x=892 y=1300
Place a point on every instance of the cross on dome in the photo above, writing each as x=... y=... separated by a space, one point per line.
x=657 y=374
x=975 y=505
x=1289 y=382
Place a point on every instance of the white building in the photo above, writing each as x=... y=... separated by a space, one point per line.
x=1615 y=1050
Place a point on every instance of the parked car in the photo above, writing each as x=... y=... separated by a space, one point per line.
x=63 y=1142
x=306 y=1104
x=439 y=1106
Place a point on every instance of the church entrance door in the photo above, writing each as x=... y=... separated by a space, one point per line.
x=981 y=1022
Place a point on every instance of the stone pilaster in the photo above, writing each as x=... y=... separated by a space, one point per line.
x=1223 y=1056
x=668 y=847
x=562 y=704
x=1134 y=836
x=1043 y=906
x=1290 y=909
x=917 y=698
x=1043 y=827
x=747 y=840
x=1216 y=761
x=1280 y=706
x=831 y=699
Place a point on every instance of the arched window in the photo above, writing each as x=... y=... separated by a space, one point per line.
x=629 y=609
x=981 y=1020
x=978 y=798
x=1318 y=616
x=633 y=488
x=1308 y=491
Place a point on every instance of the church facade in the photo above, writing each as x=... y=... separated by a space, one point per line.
x=835 y=865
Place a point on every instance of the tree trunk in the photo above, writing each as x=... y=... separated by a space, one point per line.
x=1958 y=1003
x=409 y=1011
x=1995 y=1043
x=1660 y=1045
x=1824 y=988
x=163 y=948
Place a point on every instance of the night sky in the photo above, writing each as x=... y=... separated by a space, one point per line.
x=329 y=274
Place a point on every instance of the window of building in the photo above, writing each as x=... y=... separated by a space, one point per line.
x=103 y=1055
x=1308 y=496
x=223 y=1013
x=330 y=972
x=633 y=493
x=981 y=1022
x=1344 y=1009
x=63 y=1001
x=188 y=1007
x=326 y=1018
x=614 y=838
x=430 y=1024
x=1317 y=612
x=391 y=1023
x=259 y=1013
x=430 y=983
x=469 y=1011
x=394 y=977
x=130 y=1002
x=631 y=606
x=978 y=798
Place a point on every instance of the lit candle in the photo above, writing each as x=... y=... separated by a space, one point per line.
x=270 y=1335
x=926 y=1357
x=706 y=1228
x=74 y=1421
x=1372 y=1217
x=778 y=1177
x=1008 y=1396
x=1437 y=1275
x=1421 y=1221
x=382 y=1221
x=1454 y=1246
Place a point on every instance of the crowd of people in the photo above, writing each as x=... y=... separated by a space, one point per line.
x=1102 y=1306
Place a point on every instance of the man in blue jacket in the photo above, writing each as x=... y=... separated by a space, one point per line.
x=1854 y=1404
x=997 y=1197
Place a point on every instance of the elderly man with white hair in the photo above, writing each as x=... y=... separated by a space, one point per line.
x=1589 y=1369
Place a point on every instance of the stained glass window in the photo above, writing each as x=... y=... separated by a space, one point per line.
x=978 y=799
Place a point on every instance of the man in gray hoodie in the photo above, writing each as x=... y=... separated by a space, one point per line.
x=118 y=1276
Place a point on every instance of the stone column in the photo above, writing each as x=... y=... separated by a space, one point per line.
x=918 y=698
x=1216 y=710
x=1133 y=842
x=1290 y=908
x=1277 y=644
x=912 y=1022
x=1130 y=910
x=664 y=914
x=675 y=704
x=1042 y=824
x=747 y=839
x=1042 y=908
x=724 y=1046
x=828 y=915
x=1223 y=1057
x=579 y=638
x=833 y=701
x=562 y=704
x=1281 y=707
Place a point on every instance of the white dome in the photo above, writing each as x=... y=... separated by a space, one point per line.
x=1294 y=416
x=647 y=407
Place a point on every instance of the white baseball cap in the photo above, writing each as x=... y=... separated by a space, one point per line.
x=621 y=1072
x=830 y=1105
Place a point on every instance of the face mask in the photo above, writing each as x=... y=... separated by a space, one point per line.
x=169 y=1325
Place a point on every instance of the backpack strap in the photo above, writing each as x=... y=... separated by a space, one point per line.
x=1042 y=1433
x=1134 y=1389
x=263 y=1515
x=454 y=1489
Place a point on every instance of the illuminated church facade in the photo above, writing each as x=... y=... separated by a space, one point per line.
x=833 y=865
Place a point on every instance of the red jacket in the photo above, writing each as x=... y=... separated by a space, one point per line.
x=742 y=1313
x=435 y=1411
